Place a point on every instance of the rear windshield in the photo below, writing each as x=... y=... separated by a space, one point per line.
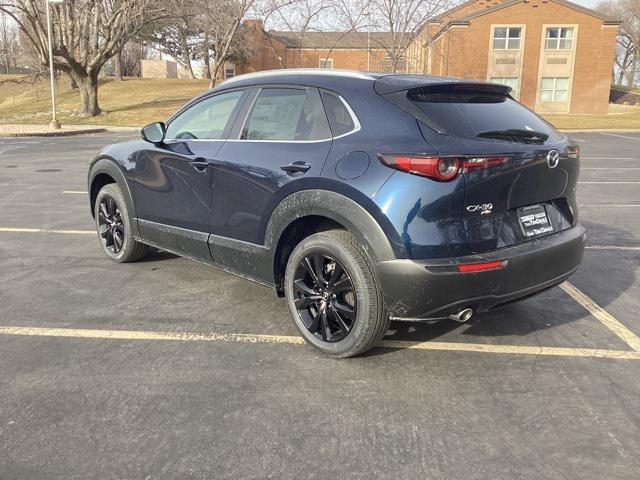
x=476 y=114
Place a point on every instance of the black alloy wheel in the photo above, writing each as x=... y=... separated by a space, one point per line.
x=325 y=297
x=110 y=225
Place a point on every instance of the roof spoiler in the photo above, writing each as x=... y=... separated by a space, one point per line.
x=396 y=83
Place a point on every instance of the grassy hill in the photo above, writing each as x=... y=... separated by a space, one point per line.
x=136 y=102
x=132 y=102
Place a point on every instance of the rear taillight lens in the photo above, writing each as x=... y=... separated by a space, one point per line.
x=472 y=163
x=479 y=267
x=442 y=169
x=573 y=152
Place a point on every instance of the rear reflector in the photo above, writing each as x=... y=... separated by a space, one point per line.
x=472 y=163
x=438 y=168
x=478 y=267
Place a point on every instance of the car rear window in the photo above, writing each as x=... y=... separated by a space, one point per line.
x=472 y=114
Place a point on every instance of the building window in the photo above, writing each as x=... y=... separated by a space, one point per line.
x=229 y=72
x=554 y=90
x=506 y=38
x=326 y=63
x=559 y=38
x=509 y=82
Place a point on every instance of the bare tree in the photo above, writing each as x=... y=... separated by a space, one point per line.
x=221 y=23
x=86 y=34
x=176 y=34
x=627 y=57
x=8 y=41
x=402 y=19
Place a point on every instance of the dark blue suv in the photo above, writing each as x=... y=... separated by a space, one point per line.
x=359 y=197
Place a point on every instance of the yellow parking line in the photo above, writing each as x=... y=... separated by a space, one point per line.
x=601 y=314
x=295 y=340
x=46 y=230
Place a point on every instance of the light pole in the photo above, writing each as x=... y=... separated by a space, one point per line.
x=368 y=15
x=54 y=122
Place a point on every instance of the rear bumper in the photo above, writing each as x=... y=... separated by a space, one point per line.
x=427 y=289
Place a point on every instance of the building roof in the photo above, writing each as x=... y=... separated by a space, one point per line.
x=333 y=40
x=507 y=3
x=566 y=3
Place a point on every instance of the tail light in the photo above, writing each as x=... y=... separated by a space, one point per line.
x=440 y=168
x=479 y=267
x=573 y=152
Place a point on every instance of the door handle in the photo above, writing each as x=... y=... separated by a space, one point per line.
x=200 y=165
x=296 y=167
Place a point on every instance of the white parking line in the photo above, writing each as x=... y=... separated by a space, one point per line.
x=609 y=168
x=601 y=314
x=620 y=136
x=46 y=230
x=80 y=192
x=609 y=205
x=294 y=340
x=607 y=158
x=611 y=247
x=607 y=183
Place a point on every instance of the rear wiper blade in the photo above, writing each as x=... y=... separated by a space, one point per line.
x=514 y=132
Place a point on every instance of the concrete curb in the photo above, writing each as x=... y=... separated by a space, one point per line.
x=60 y=133
x=601 y=130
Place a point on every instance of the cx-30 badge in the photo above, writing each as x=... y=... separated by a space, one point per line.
x=553 y=158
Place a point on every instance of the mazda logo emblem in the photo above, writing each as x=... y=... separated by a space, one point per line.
x=553 y=158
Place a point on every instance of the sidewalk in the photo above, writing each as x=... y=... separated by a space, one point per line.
x=18 y=130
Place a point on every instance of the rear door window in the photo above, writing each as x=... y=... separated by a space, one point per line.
x=287 y=114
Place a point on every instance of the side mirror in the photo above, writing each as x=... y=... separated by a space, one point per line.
x=154 y=132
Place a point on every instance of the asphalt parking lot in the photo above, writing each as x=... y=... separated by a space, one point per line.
x=171 y=369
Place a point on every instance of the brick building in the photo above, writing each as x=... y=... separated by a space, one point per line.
x=557 y=56
x=348 y=50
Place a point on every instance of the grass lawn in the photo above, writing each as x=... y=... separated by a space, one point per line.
x=132 y=102
x=136 y=102
x=619 y=116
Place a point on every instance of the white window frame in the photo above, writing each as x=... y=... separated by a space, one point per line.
x=555 y=89
x=326 y=63
x=507 y=38
x=559 y=38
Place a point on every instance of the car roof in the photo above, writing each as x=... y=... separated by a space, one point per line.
x=335 y=79
x=327 y=77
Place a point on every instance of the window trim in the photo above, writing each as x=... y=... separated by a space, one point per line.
x=230 y=122
x=259 y=88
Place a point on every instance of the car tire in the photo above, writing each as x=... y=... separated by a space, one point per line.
x=341 y=314
x=113 y=223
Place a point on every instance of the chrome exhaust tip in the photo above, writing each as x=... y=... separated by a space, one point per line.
x=462 y=316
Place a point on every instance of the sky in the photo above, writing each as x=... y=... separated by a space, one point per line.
x=586 y=3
